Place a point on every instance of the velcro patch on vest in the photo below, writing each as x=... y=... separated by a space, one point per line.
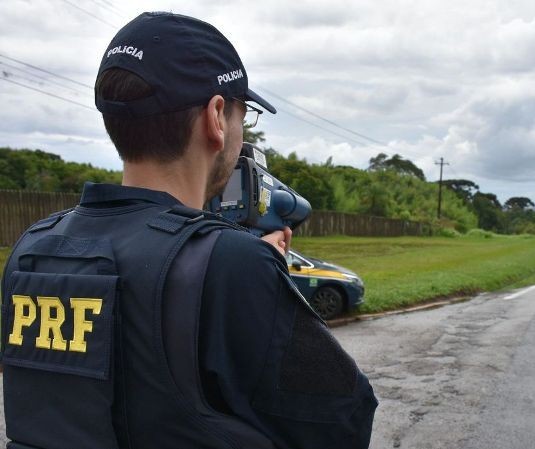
x=60 y=322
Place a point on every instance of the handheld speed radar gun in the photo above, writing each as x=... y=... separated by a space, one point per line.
x=253 y=198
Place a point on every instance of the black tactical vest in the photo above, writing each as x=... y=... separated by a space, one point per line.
x=83 y=353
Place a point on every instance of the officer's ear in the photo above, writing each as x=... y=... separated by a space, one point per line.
x=215 y=122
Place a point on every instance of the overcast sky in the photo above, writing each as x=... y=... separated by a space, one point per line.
x=425 y=79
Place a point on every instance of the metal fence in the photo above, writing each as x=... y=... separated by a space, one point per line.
x=19 y=209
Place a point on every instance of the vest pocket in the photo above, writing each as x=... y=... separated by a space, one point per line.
x=58 y=349
x=61 y=323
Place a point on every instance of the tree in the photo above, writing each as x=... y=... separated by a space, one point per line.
x=489 y=211
x=38 y=170
x=396 y=163
x=253 y=137
x=519 y=215
x=519 y=202
x=464 y=188
x=375 y=199
x=307 y=180
x=315 y=189
x=378 y=162
x=329 y=162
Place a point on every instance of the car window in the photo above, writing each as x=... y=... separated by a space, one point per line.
x=291 y=258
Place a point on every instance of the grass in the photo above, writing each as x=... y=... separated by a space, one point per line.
x=403 y=271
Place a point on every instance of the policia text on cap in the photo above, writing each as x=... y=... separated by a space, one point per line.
x=136 y=320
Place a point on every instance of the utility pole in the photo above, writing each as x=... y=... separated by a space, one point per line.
x=441 y=163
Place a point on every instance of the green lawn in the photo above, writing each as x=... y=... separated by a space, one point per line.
x=402 y=271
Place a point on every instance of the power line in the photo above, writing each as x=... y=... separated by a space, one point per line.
x=85 y=85
x=320 y=127
x=271 y=93
x=92 y=15
x=8 y=75
x=44 y=78
x=48 y=93
x=105 y=6
x=330 y=122
x=46 y=71
x=27 y=72
x=113 y=6
x=282 y=110
x=364 y=144
x=329 y=130
x=90 y=87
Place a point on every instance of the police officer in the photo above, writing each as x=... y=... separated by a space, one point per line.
x=137 y=321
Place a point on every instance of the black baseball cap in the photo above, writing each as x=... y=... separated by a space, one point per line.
x=186 y=62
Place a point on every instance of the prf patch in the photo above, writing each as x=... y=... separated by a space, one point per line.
x=60 y=322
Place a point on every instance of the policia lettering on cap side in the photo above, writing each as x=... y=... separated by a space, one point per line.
x=136 y=320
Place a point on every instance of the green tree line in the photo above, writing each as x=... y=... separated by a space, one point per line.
x=515 y=216
x=394 y=187
x=41 y=171
x=391 y=187
x=381 y=190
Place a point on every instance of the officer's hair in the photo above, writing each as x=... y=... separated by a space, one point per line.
x=162 y=138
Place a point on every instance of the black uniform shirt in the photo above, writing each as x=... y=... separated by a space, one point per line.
x=263 y=355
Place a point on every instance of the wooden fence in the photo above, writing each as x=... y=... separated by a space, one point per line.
x=19 y=209
x=323 y=223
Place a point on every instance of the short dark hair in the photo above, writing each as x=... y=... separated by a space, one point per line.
x=161 y=137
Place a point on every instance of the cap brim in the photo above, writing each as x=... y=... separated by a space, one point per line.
x=253 y=96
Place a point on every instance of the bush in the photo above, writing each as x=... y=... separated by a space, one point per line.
x=480 y=233
x=526 y=228
x=447 y=232
x=525 y=236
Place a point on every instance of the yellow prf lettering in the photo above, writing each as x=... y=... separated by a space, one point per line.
x=81 y=325
x=49 y=324
x=20 y=320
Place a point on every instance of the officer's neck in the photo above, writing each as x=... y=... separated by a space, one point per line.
x=183 y=179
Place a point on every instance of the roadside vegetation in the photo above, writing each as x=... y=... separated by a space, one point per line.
x=46 y=172
x=466 y=255
x=403 y=271
x=390 y=187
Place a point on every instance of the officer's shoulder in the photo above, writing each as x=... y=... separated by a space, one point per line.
x=242 y=241
x=50 y=221
x=245 y=247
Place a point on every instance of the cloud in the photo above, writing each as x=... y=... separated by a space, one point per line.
x=99 y=153
x=433 y=79
x=49 y=115
x=317 y=150
x=493 y=133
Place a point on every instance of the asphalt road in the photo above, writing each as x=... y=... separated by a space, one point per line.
x=461 y=376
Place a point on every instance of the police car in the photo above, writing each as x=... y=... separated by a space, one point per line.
x=328 y=288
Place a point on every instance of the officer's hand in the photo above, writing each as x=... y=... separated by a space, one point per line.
x=280 y=240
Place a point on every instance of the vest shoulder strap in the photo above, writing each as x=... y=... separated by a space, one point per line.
x=173 y=221
x=49 y=222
